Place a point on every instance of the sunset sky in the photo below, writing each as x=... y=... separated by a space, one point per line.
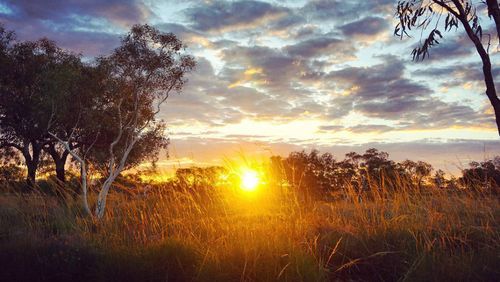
x=278 y=76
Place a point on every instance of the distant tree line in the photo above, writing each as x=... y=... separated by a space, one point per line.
x=315 y=176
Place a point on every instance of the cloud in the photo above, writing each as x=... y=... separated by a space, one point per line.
x=224 y=15
x=283 y=61
x=88 y=43
x=201 y=101
x=89 y=27
x=449 y=155
x=369 y=26
x=119 y=12
x=321 y=46
x=278 y=69
x=331 y=127
x=454 y=48
x=369 y=128
x=343 y=11
x=381 y=91
x=458 y=73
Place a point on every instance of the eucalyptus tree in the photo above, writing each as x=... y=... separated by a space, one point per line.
x=137 y=78
x=36 y=78
x=439 y=16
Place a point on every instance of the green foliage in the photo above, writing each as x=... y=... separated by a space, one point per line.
x=321 y=176
x=104 y=109
x=483 y=176
x=420 y=14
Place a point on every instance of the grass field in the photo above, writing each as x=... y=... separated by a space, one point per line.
x=225 y=234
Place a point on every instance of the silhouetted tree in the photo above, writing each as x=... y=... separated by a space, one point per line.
x=483 y=176
x=33 y=77
x=416 y=171
x=439 y=179
x=138 y=78
x=443 y=15
x=72 y=98
x=311 y=175
x=83 y=119
x=376 y=170
x=199 y=179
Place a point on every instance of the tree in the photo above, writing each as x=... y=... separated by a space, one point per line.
x=70 y=96
x=483 y=176
x=416 y=171
x=311 y=175
x=430 y=14
x=32 y=74
x=138 y=77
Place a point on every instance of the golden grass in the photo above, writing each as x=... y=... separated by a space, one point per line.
x=222 y=234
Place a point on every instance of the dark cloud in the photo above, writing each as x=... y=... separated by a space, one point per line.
x=178 y=29
x=305 y=31
x=450 y=50
x=88 y=43
x=438 y=114
x=344 y=11
x=120 y=12
x=330 y=9
x=339 y=106
x=369 y=128
x=217 y=15
x=201 y=101
x=383 y=81
x=458 y=74
x=288 y=20
x=365 y=27
x=255 y=103
x=321 y=46
x=382 y=91
x=208 y=99
x=331 y=127
x=278 y=69
x=89 y=27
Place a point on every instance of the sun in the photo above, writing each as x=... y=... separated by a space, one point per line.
x=249 y=180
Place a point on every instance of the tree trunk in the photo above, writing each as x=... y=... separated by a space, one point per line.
x=59 y=161
x=494 y=12
x=31 y=176
x=83 y=174
x=60 y=171
x=490 y=84
x=101 y=198
x=495 y=102
x=32 y=160
x=488 y=75
x=83 y=170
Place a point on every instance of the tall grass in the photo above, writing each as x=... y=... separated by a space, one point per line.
x=176 y=233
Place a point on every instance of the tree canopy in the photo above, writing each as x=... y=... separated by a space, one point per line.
x=440 y=16
x=104 y=110
x=36 y=80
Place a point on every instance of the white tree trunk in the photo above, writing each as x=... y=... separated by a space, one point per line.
x=101 y=198
x=113 y=174
x=83 y=172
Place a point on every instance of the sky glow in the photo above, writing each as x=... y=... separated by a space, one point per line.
x=276 y=76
